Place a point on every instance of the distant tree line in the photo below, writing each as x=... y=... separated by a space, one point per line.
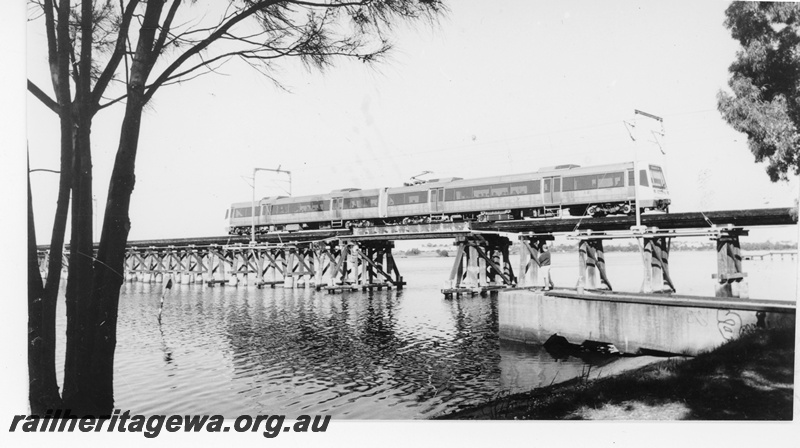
x=686 y=246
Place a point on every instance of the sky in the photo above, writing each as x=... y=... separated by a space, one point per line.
x=486 y=91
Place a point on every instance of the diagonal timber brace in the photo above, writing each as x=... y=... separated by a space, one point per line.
x=481 y=264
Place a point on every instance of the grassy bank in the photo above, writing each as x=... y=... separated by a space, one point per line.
x=751 y=378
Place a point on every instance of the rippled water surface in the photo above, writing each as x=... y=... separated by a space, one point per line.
x=381 y=355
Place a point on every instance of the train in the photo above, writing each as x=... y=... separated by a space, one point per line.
x=549 y=192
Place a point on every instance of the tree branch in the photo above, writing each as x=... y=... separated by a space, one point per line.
x=224 y=27
x=43 y=97
x=162 y=37
x=119 y=51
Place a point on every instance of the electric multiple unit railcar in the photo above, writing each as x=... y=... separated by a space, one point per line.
x=579 y=191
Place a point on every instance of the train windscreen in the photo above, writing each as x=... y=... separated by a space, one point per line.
x=657 y=177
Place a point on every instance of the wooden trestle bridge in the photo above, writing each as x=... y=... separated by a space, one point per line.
x=361 y=258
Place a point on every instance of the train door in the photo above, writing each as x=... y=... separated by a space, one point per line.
x=383 y=202
x=336 y=209
x=436 y=200
x=631 y=184
x=551 y=190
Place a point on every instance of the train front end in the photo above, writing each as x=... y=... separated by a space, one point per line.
x=653 y=191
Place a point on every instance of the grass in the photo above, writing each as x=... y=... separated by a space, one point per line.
x=751 y=378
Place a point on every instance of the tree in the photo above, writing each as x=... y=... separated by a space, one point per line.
x=765 y=80
x=102 y=53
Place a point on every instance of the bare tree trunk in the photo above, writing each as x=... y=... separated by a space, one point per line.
x=42 y=303
x=109 y=270
x=109 y=267
x=43 y=387
x=82 y=319
x=81 y=310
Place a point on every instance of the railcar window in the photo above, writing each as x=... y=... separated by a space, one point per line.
x=226 y=213
x=351 y=203
x=556 y=185
x=631 y=178
x=516 y=188
x=657 y=176
x=530 y=187
x=643 y=178
x=413 y=198
x=397 y=199
x=306 y=207
x=547 y=185
x=481 y=192
x=371 y=201
x=281 y=209
x=244 y=212
x=463 y=193
x=580 y=183
x=458 y=194
x=609 y=180
x=500 y=190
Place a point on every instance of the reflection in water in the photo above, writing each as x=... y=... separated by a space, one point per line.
x=381 y=355
x=524 y=367
x=385 y=355
x=352 y=355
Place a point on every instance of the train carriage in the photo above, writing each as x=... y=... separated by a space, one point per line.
x=554 y=191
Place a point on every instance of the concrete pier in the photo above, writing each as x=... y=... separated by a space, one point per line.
x=634 y=322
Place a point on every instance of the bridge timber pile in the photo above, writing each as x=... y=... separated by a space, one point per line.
x=361 y=258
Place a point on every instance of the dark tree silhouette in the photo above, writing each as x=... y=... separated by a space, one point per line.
x=765 y=80
x=106 y=52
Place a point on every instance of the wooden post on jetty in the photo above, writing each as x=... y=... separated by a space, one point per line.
x=730 y=277
x=530 y=250
x=591 y=265
x=656 y=251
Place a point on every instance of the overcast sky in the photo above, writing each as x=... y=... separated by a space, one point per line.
x=491 y=90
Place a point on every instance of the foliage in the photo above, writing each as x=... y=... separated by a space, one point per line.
x=413 y=251
x=443 y=253
x=765 y=80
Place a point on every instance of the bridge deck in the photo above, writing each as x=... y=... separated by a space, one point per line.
x=753 y=217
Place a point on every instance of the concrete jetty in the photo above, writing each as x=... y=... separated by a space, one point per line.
x=636 y=323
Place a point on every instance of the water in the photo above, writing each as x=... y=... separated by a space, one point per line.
x=383 y=355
